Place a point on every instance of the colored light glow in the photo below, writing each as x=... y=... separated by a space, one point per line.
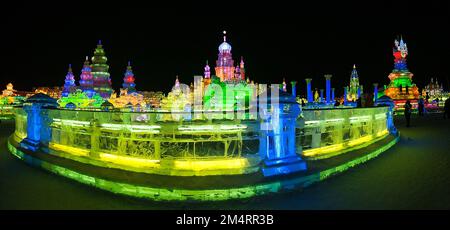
x=318 y=122
x=20 y=136
x=195 y=128
x=329 y=172
x=69 y=149
x=129 y=161
x=312 y=122
x=216 y=128
x=116 y=159
x=74 y=125
x=132 y=128
x=195 y=165
x=360 y=118
x=360 y=140
x=381 y=133
x=380 y=116
x=215 y=164
x=144 y=130
x=122 y=126
x=368 y=139
x=336 y=120
x=70 y=122
x=323 y=150
x=226 y=127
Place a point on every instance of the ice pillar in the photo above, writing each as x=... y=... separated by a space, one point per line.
x=345 y=95
x=38 y=121
x=294 y=89
x=332 y=94
x=34 y=125
x=277 y=144
x=308 y=90
x=375 y=91
x=328 y=87
x=321 y=95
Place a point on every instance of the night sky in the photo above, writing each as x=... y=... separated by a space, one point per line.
x=291 y=41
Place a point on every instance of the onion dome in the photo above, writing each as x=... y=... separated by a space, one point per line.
x=224 y=47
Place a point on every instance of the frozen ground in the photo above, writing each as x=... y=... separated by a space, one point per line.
x=414 y=174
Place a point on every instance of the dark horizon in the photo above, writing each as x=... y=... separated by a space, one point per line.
x=295 y=43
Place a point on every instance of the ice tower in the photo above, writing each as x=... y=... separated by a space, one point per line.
x=102 y=81
x=401 y=87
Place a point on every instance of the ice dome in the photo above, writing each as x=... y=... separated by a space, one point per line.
x=224 y=47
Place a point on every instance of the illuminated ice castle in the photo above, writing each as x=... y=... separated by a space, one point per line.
x=433 y=89
x=401 y=87
x=225 y=69
x=228 y=79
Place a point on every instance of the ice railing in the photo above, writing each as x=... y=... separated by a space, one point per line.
x=153 y=135
x=333 y=130
x=20 y=117
x=6 y=111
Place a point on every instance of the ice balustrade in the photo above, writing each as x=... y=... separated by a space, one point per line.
x=6 y=111
x=334 y=130
x=21 y=123
x=154 y=135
